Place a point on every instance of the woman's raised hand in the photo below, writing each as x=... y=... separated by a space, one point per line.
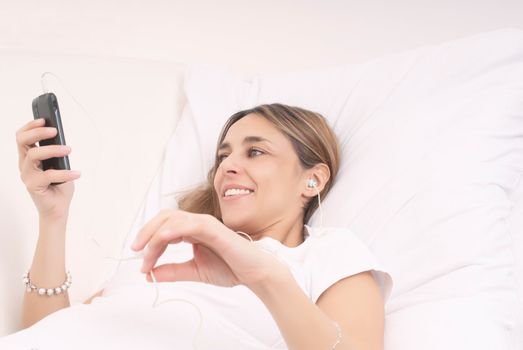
x=221 y=256
x=50 y=201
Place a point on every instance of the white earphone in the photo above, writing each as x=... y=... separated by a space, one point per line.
x=312 y=183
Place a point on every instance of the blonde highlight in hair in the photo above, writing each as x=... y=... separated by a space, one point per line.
x=312 y=139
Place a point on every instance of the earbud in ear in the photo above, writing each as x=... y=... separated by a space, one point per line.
x=312 y=183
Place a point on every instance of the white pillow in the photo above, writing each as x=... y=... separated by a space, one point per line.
x=432 y=151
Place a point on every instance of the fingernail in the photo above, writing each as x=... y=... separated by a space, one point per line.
x=76 y=173
x=134 y=245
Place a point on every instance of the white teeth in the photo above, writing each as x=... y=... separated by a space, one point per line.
x=236 y=191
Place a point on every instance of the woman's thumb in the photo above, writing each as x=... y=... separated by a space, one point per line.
x=185 y=271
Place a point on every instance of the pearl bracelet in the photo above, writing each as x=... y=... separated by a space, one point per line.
x=29 y=287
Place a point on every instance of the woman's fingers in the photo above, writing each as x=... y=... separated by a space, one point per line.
x=46 y=152
x=31 y=124
x=23 y=142
x=32 y=136
x=145 y=233
x=41 y=180
x=166 y=221
x=151 y=256
x=170 y=227
x=158 y=243
x=33 y=177
x=31 y=174
x=185 y=271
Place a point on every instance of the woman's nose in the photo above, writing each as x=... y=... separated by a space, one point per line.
x=230 y=164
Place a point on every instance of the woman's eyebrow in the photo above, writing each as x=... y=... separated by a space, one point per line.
x=248 y=139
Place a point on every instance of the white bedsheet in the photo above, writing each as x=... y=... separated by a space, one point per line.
x=232 y=318
x=110 y=322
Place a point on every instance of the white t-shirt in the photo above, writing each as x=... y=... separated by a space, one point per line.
x=232 y=318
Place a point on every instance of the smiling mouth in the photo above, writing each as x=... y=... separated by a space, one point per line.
x=236 y=196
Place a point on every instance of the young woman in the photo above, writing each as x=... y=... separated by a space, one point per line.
x=260 y=276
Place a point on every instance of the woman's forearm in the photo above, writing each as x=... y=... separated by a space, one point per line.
x=47 y=271
x=302 y=323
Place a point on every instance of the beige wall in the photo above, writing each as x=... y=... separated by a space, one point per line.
x=247 y=35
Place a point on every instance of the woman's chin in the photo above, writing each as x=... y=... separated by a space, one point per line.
x=235 y=224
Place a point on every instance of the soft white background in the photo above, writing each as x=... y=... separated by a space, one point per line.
x=126 y=42
x=247 y=35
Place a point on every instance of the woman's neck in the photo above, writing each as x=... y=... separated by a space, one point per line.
x=289 y=233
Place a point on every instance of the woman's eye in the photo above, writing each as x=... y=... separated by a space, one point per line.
x=254 y=150
x=251 y=153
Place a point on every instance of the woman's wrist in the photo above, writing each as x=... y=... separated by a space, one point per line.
x=53 y=220
x=269 y=271
x=273 y=279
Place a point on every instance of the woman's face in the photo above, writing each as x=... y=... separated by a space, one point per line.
x=259 y=178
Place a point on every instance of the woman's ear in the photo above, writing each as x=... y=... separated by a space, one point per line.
x=315 y=179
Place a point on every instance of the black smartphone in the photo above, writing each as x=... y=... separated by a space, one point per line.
x=46 y=106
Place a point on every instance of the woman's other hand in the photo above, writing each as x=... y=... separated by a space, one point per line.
x=51 y=201
x=221 y=256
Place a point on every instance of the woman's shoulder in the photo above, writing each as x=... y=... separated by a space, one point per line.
x=336 y=252
x=340 y=243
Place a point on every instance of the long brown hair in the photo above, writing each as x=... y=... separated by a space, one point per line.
x=312 y=139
